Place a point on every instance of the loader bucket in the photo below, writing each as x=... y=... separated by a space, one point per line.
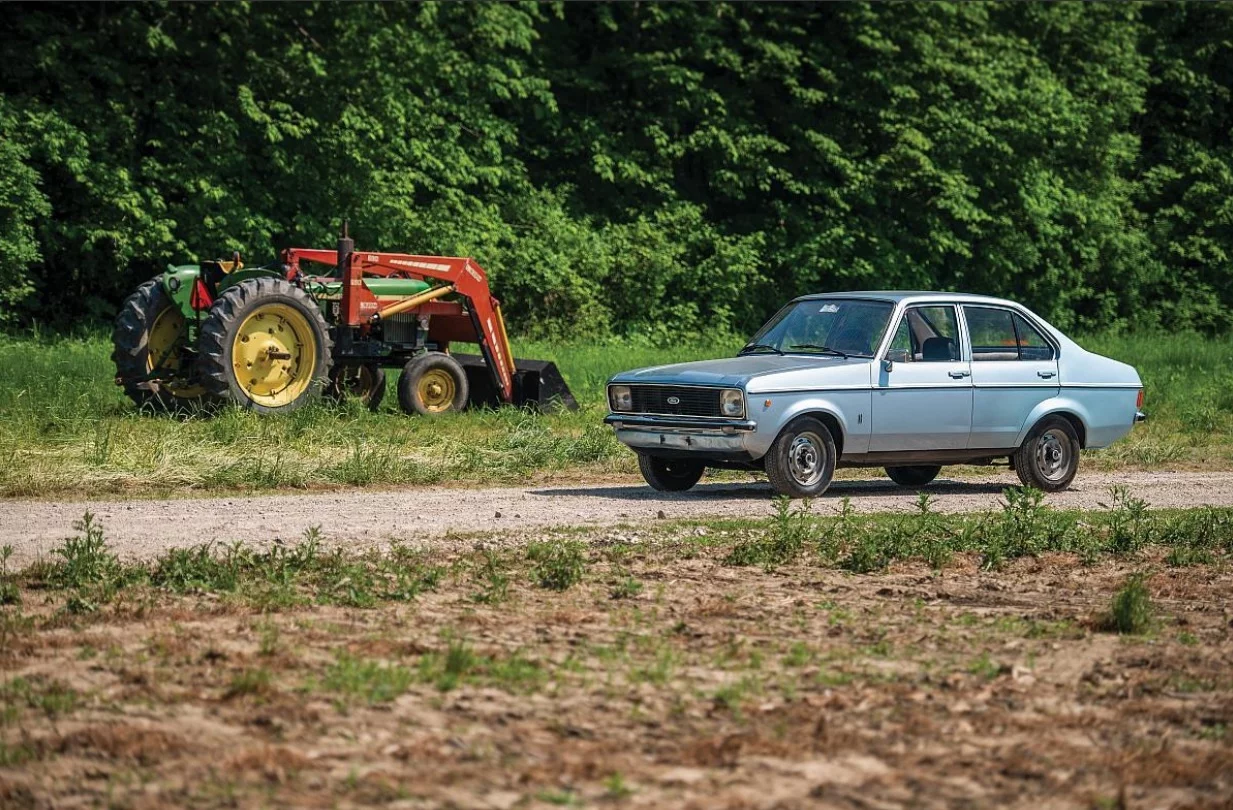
x=537 y=383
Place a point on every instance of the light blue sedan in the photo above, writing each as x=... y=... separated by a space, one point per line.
x=908 y=381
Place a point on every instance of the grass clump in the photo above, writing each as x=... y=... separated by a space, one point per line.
x=1132 y=611
x=557 y=564
x=360 y=680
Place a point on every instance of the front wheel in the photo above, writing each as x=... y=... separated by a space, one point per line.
x=801 y=462
x=366 y=383
x=432 y=383
x=1048 y=459
x=915 y=476
x=670 y=474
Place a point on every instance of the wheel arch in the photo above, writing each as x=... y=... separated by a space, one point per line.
x=1066 y=408
x=829 y=418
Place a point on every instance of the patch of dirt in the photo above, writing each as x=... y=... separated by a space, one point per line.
x=710 y=686
x=362 y=518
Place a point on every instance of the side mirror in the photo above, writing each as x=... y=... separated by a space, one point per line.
x=888 y=365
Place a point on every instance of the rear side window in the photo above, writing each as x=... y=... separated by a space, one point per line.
x=999 y=334
x=1032 y=344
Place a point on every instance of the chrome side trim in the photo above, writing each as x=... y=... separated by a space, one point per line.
x=1101 y=385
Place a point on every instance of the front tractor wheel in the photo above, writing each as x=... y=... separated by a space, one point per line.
x=432 y=383
x=148 y=344
x=366 y=383
x=265 y=347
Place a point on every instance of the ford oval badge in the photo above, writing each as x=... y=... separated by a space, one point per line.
x=674 y=400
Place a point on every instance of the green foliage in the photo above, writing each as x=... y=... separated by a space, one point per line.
x=1132 y=609
x=635 y=168
x=557 y=564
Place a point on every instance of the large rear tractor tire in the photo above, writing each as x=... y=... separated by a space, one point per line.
x=265 y=347
x=366 y=383
x=433 y=383
x=150 y=333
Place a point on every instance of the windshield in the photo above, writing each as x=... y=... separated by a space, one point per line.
x=838 y=326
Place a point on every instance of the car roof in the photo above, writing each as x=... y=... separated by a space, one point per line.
x=896 y=296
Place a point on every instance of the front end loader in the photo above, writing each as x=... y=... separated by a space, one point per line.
x=326 y=322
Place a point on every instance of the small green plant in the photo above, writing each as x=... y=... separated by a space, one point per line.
x=371 y=682
x=85 y=559
x=615 y=787
x=626 y=587
x=1128 y=521
x=492 y=580
x=1132 y=610
x=253 y=682
x=268 y=645
x=790 y=529
x=557 y=564
x=9 y=592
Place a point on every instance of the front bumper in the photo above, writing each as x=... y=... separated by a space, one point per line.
x=710 y=439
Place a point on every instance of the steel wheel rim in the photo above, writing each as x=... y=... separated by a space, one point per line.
x=165 y=335
x=274 y=355
x=1053 y=454
x=436 y=390
x=806 y=459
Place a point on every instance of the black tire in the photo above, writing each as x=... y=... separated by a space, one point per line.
x=424 y=388
x=292 y=312
x=365 y=382
x=915 y=476
x=130 y=339
x=801 y=462
x=1048 y=459
x=670 y=474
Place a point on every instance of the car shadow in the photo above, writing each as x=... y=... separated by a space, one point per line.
x=762 y=491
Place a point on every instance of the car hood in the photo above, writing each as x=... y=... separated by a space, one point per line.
x=737 y=371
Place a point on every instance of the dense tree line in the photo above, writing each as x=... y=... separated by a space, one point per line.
x=632 y=167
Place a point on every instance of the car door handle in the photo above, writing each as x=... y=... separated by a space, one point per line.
x=1046 y=374
x=959 y=375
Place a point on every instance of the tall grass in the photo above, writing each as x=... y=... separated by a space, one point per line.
x=66 y=428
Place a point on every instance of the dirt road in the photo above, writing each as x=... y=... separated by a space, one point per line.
x=366 y=517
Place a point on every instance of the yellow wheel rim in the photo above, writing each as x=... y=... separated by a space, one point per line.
x=436 y=390
x=274 y=355
x=166 y=334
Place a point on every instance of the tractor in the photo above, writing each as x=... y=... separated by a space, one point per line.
x=273 y=338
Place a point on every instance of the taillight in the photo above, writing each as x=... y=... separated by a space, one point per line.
x=1139 y=401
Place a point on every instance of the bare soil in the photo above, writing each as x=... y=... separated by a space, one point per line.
x=708 y=687
x=359 y=518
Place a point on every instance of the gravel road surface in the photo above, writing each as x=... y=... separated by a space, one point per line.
x=367 y=517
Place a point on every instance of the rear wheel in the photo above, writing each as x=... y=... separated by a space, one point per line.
x=1048 y=459
x=432 y=383
x=150 y=335
x=366 y=383
x=670 y=474
x=801 y=462
x=916 y=476
x=265 y=347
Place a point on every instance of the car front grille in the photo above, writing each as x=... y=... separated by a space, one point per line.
x=675 y=400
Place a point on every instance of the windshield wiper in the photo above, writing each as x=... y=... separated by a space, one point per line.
x=753 y=346
x=818 y=347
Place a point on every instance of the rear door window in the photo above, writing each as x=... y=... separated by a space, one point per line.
x=992 y=332
x=1032 y=344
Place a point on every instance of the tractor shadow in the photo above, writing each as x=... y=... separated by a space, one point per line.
x=762 y=491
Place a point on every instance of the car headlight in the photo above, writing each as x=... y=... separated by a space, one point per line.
x=620 y=398
x=732 y=402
